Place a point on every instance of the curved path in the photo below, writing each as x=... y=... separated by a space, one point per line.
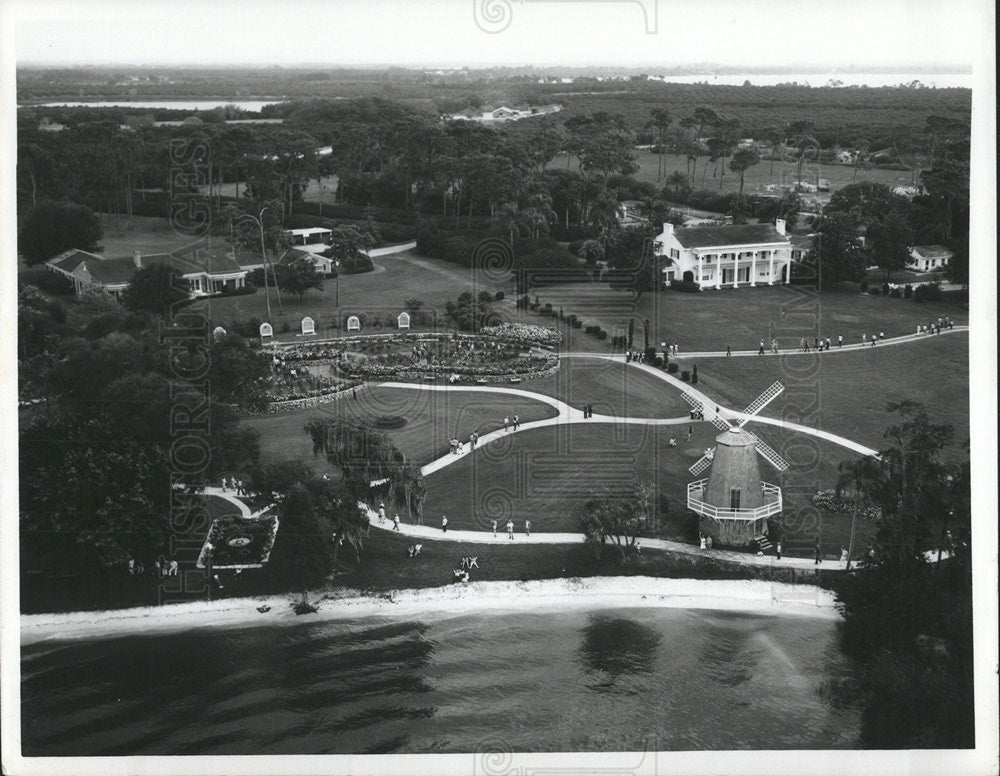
x=567 y=415
x=232 y=498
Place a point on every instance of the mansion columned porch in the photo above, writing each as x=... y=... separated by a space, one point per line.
x=715 y=269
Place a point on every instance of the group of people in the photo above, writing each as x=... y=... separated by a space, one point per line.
x=510 y=528
x=509 y=424
x=414 y=550
x=588 y=410
x=876 y=338
x=231 y=483
x=705 y=541
x=935 y=327
x=819 y=344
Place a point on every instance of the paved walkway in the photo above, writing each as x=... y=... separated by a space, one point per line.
x=889 y=341
x=230 y=496
x=431 y=533
x=390 y=249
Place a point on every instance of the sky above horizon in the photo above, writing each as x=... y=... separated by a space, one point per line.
x=449 y=33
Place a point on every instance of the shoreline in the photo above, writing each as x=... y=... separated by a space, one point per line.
x=566 y=594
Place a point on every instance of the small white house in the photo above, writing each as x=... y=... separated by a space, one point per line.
x=928 y=258
x=729 y=255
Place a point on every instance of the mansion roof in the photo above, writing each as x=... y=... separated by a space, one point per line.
x=729 y=234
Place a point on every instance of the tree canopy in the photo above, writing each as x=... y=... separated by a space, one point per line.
x=50 y=228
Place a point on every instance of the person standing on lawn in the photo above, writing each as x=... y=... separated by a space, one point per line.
x=494 y=529
x=444 y=524
x=527 y=527
x=510 y=529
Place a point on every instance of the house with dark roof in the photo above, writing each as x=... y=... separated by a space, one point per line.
x=207 y=270
x=726 y=256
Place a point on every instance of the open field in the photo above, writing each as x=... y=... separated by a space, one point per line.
x=396 y=278
x=711 y=319
x=122 y=235
x=847 y=393
x=612 y=387
x=546 y=475
x=434 y=417
x=756 y=178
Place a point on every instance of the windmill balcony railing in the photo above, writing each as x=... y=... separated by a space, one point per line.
x=771 y=505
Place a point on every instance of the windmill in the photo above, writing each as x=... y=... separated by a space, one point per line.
x=733 y=502
x=766 y=451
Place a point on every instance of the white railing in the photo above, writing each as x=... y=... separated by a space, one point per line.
x=773 y=506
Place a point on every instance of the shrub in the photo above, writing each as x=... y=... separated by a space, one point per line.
x=895 y=293
x=577 y=323
x=55 y=284
x=864 y=285
x=686 y=376
x=686 y=286
x=885 y=289
x=907 y=291
x=602 y=334
x=672 y=367
x=498 y=296
x=930 y=292
x=875 y=291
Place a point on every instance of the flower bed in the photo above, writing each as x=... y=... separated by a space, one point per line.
x=238 y=543
x=517 y=367
x=524 y=334
x=845 y=504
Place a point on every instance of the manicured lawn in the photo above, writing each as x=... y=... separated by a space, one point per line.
x=783 y=174
x=612 y=387
x=546 y=475
x=710 y=320
x=847 y=393
x=220 y=507
x=150 y=235
x=434 y=417
x=398 y=277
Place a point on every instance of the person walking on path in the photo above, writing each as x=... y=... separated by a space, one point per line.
x=708 y=542
x=381 y=512
x=777 y=550
x=690 y=432
x=494 y=529
x=843 y=555
x=817 y=556
x=702 y=545
x=444 y=524
x=506 y=422
x=395 y=522
x=760 y=351
x=840 y=340
x=510 y=529
x=864 y=339
x=729 y=350
x=874 y=339
x=827 y=343
x=527 y=527
x=517 y=423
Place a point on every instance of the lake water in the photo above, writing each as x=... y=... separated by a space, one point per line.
x=546 y=681
x=248 y=105
x=938 y=80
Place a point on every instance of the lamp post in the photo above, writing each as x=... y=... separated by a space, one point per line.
x=336 y=301
x=259 y=220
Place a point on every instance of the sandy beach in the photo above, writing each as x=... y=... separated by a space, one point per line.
x=753 y=596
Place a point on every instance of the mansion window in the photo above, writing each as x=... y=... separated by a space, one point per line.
x=674 y=253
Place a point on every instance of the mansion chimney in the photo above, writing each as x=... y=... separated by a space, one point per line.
x=137 y=259
x=779 y=224
x=668 y=229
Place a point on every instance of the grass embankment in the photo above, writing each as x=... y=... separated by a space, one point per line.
x=710 y=320
x=433 y=418
x=847 y=393
x=386 y=566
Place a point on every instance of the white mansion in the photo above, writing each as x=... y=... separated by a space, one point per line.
x=730 y=255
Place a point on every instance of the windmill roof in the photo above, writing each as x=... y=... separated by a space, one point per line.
x=735 y=437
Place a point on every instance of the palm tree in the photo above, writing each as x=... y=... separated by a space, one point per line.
x=862 y=146
x=864 y=477
x=743 y=160
x=510 y=220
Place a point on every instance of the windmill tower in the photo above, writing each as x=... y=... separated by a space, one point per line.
x=733 y=502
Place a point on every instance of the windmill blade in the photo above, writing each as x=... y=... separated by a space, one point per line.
x=769 y=454
x=761 y=402
x=702 y=463
x=691 y=399
x=720 y=424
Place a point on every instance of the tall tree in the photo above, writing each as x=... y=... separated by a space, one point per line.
x=50 y=228
x=743 y=160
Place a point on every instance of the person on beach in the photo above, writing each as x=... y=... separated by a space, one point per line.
x=527 y=527
x=395 y=522
x=444 y=524
x=494 y=529
x=510 y=529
